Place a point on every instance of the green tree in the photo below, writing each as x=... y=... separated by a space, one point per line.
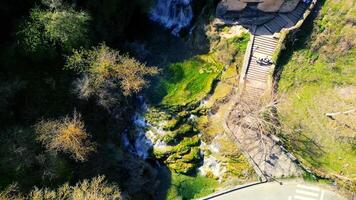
x=8 y=91
x=113 y=17
x=21 y=156
x=61 y=26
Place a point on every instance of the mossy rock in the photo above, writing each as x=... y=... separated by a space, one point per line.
x=193 y=155
x=182 y=168
x=162 y=153
x=171 y=124
x=239 y=169
x=187 y=143
x=182 y=148
x=184 y=114
x=227 y=147
x=155 y=116
x=185 y=130
x=182 y=158
x=200 y=111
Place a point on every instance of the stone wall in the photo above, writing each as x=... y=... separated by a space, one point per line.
x=265 y=6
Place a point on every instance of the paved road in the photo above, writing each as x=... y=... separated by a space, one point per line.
x=290 y=190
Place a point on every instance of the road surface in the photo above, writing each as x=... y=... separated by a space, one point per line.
x=289 y=190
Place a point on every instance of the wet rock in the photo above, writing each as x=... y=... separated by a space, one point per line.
x=172 y=14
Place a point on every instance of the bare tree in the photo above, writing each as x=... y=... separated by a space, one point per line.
x=67 y=135
x=95 y=189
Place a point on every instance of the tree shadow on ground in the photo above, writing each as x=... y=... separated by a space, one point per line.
x=304 y=146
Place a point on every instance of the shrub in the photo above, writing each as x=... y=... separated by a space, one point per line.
x=44 y=30
x=94 y=189
x=67 y=135
x=108 y=75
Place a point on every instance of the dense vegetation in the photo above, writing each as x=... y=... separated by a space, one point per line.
x=187 y=187
x=96 y=188
x=63 y=105
x=319 y=77
x=80 y=80
x=178 y=115
x=68 y=93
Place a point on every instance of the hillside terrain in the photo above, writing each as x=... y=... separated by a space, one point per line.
x=318 y=76
x=120 y=99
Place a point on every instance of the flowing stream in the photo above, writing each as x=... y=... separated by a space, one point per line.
x=172 y=14
x=145 y=134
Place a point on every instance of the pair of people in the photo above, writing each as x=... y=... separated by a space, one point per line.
x=264 y=61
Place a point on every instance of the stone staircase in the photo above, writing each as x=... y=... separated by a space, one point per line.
x=286 y=20
x=257 y=77
x=265 y=153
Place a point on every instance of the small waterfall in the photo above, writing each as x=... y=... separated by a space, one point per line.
x=145 y=134
x=172 y=14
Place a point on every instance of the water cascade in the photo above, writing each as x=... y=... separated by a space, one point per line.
x=172 y=14
x=146 y=135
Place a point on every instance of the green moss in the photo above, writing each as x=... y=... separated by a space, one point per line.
x=182 y=167
x=182 y=158
x=179 y=91
x=192 y=156
x=239 y=167
x=225 y=29
x=185 y=82
x=240 y=42
x=229 y=49
x=176 y=135
x=191 y=187
x=186 y=143
x=157 y=116
x=171 y=124
x=173 y=194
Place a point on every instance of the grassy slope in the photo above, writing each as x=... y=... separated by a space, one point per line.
x=317 y=78
x=191 y=80
x=186 y=82
x=187 y=187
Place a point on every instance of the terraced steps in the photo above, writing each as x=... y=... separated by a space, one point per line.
x=264 y=46
x=264 y=153
x=286 y=20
